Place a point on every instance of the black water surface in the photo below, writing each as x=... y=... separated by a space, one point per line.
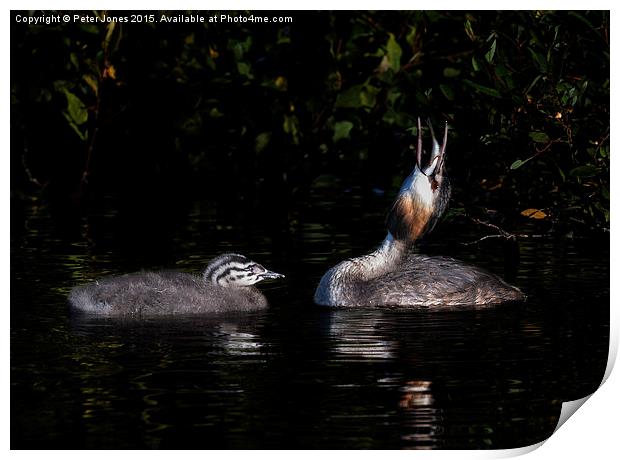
x=297 y=375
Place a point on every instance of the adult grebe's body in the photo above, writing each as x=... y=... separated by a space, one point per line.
x=393 y=275
x=226 y=285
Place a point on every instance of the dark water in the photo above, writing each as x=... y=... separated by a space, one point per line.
x=296 y=376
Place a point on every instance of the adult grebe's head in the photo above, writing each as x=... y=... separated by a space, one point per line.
x=236 y=270
x=424 y=195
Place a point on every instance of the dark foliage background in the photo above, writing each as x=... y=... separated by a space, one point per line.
x=142 y=116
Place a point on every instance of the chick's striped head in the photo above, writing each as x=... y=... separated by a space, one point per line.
x=236 y=270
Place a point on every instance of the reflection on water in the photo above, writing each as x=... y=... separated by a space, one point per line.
x=423 y=415
x=297 y=375
x=359 y=337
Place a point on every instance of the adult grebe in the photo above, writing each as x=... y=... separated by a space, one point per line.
x=394 y=276
x=226 y=285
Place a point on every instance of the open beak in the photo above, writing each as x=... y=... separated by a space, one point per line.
x=435 y=164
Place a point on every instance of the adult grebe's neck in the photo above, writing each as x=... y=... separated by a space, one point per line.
x=382 y=260
x=344 y=279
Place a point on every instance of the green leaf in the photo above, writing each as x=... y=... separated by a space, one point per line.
x=603 y=210
x=357 y=96
x=368 y=95
x=517 y=164
x=474 y=64
x=108 y=36
x=447 y=91
x=342 y=130
x=540 y=60
x=393 y=96
x=394 y=53
x=398 y=118
x=584 y=171
x=92 y=82
x=491 y=53
x=585 y=21
x=215 y=113
x=539 y=137
x=74 y=60
x=469 y=30
x=290 y=126
x=283 y=36
x=604 y=151
x=483 y=89
x=605 y=193
x=76 y=128
x=411 y=35
x=504 y=75
x=261 y=141
x=349 y=98
x=237 y=49
x=562 y=175
x=451 y=72
x=529 y=88
x=244 y=69
x=76 y=110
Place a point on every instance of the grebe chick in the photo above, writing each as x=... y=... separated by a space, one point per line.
x=393 y=275
x=226 y=285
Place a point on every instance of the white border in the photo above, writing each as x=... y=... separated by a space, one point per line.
x=590 y=433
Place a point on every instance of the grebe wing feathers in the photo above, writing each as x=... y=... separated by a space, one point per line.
x=439 y=281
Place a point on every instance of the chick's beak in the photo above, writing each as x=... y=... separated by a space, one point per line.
x=269 y=275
